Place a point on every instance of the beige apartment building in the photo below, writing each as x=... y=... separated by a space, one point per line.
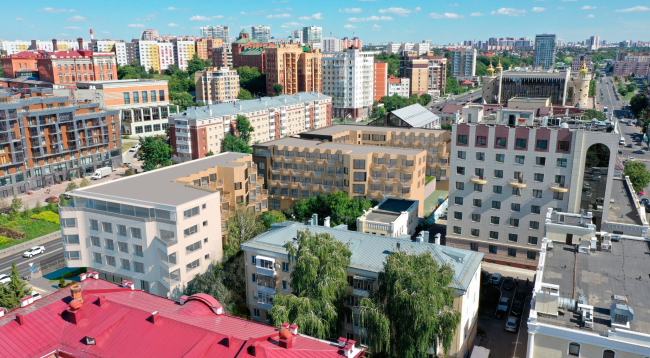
x=216 y=85
x=205 y=47
x=268 y=273
x=297 y=70
x=436 y=142
x=417 y=71
x=301 y=168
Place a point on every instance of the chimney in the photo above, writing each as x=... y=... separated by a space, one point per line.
x=91 y=35
x=426 y=236
x=26 y=300
x=342 y=342
x=285 y=325
x=286 y=343
x=230 y=341
x=101 y=301
x=75 y=290
x=398 y=246
x=294 y=329
x=55 y=46
x=82 y=276
x=75 y=315
x=80 y=41
x=347 y=350
x=436 y=239
x=252 y=349
x=314 y=220
x=2 y=311
x=155 y=316
x=327 y=222
x=20 y=319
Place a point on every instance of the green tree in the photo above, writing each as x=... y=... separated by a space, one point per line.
x=271 y=217
x=424 y=99
x=171 y=69
x=235 y=144
x=277 y=89
x=394 y=102
x=411 y=309
x=155 y=153
x=393 y=62
x=446 y=126
x=592 y=113
x=637 y=103
x=14 y=290
x=38 y=207
x=182 y=99
x=129 y=172
x=318 y=282
x=452 y=86
x=639 y=175
x=243 y=225
x=251 y=79
x=341 y=209
x=84 y=183
x=196 y=64
x=132 y=71
x=71 y=186
x=244 y=94
x=631 y=87
x=244 y=128
x=592 y=88
x=16 y=204
x=209 y=154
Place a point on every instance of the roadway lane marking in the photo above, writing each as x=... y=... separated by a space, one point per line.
x=26 y=263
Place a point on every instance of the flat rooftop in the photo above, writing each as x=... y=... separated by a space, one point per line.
x=352 y=148
x=601 y=274
x=622 y=210
x=336 y=129
x=390 y=209
x=157 y=186
x=120 y=83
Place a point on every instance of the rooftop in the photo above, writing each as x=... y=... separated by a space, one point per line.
x=622 y=208
x=336 y=129
x=390 y=209
x=157 y=186
x=122 y=324
x=369 y=251
x=120 y=83
x=601 y=274
x=415 y=115
x=351 y=148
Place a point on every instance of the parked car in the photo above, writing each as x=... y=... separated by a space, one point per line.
x=638 y=152
x=512 y=324
x=502 y=307
x=630 y=145
x=4 y=279
x=134 y=148
x=517 y=308
x=508 y=284
x=632 y=159
x=495 y=279
x=520 y=295
x=52 y=199
x=34 y=251
x=645 y=201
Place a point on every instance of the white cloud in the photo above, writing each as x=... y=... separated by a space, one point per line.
x=77 y=18
x=354 y=10
x=447 y=15
x=316 y=16
x=173 y=25
x=72 y=28
x=635 y=9
x=278 y=16
x=292 y=24
x=370 y=18
x=171 y=8
x=65 y=35
x=375 y=26
x=588 y=7
x=476 y=14
x=349 y=26
x=56 y=11
x=20 y=19
x=261 y=12
x=539 y=9
x=399 y=11
x=205 y=18
x=590 y=16
x=105 y=32
x=135 y=25
x=233 y=18
x=508 y=11
x=453 y=4
x=283 y=9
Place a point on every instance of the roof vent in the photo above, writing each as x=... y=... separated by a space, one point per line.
x=20 y=319
x=90 y=341
x=398 y=246
x=342 y=341
x=155 y=316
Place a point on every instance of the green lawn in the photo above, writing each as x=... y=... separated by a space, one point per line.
x=126 y=146
x=30 y=227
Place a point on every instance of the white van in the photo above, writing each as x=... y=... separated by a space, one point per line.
x=622 y=141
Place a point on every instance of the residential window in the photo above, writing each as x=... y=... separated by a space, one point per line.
x=500 y=158
x=94 y=240
x=238 y=186
x=514 y=222
x=458 y=200
x=256 y=312
x=121 y=230
x=110 y=261
x=563 y=145
x=535 y=209
x=97 y=257
x=457 y=230
x=574 y=349
x=458 y=215
x=512 y=237
x=359 y=176
x=153 y=95
x=462 y=154
x=532 y=240
x=359 y=164
x=521 y=143
x=512 y=252
x=475 y=232
x=192 y=265
x=123 y=247
x=480 y=156
x=144 y=97
x=191 y=230
x=541 y=161
x=558 y=196
x=481 y=140
x=532 y=255
x=127 y=98
x=476 y=217
x=285 y=267
x=477 y=203
x=494 y=220
x=359 y=188
x=125 y=264
x=561 y=162
x=494 y=235
x=497 y=189
x=539 y=177
x=462 y=139
x=498 y=173
x=537 y=193
x=460 y=170
x=191 y=212
x=138 y=267
x=478 y=187
x=253 y=260
x=519 y=159
x=137 y=250
x=501 y=142
x=534 y=225
x=516 y=191
x=136 y=98
x=94 y=225
x=107 y=227
x=71 y=239
x=492 y=249
x=69 y=222
x=515 y=207
x=110 y=245
x=496 y=204
x=542 y=144
x=193 y=247
x=460 y=185
x=136 y=233
x=473 y=246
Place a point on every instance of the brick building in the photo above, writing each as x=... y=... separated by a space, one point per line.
x=21 y=64
x=206 y=46
x=296 y=68
x=248 y=52
x=380 y=88
x=65 y=68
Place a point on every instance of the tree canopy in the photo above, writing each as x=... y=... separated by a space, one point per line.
x=638 y=103
x=14 y=290
x=318 y=282
x=196 y=64
x=393 y=62
x=243 y=225
x=639 y=176
x=592 y=113
x=235 y=144
x=244 y=128
x=155 y=153
x=272 y=217
x=411 y=309
x=277 y=89
x=244 y=94
x=251 y=79
x=394 y=102
x=341 y=209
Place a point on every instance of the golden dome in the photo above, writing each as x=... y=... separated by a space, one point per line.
x=499 y=67
x=490 y=69
x=582 y=73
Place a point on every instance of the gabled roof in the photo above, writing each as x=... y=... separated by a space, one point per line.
x=120 y=321
x=415 y=115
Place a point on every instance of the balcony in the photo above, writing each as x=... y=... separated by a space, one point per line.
x=184 y=150
x=517 y=183
x=559 y=187
x=183 y=134
x=477 y=179
x=264 y=289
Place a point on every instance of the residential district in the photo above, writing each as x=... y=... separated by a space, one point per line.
x=238 y=194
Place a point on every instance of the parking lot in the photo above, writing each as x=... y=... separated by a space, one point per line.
x=500 y=342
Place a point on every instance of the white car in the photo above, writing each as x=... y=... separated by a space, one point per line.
x=511 y=324
x=134 y=148
x=34 y=251
x=495 y=279
x=5 y=279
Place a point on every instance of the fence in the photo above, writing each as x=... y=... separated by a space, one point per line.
x=31 y=243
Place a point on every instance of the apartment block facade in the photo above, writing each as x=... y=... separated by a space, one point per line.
x=268 y=274
x=380 y=83
x=143 y=105
x=312 y=36
x=463 y=62
x=628 y=68
x=417 y=72
x=348 y=78
x=115 y=46
x=205 y=48
x=437 y=75
x=399 y=86
x=301 y=168
x=21 y=64
x=216 y=85
x=184 y=49
x=261 y=33
x=65 y=68
x=216 y=32
x=48 y=139
x=200 y=130
x=545 y=51
x=222 y=57
x=505 y=178
x=297 y=70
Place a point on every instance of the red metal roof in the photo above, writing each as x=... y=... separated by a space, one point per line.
x=122 y=326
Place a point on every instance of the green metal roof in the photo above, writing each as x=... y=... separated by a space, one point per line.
x=369 y=251
x=246 y=40
x=252 y=51
x=243 y=31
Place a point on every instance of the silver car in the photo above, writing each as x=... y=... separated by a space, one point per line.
x=34 y=251
x=512 y=324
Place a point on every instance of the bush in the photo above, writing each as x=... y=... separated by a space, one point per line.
x=61 y=282
x=11 y=234
x=129 y=172
x=84 y=183
x=126 y=137
x=4 y=240
x=47 y=216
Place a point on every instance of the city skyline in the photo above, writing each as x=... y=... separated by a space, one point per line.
x=374 y=21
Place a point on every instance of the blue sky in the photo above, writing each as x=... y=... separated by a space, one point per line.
x=372 y=20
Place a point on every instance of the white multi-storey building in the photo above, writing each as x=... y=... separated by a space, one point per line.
x=421 y=48
x=331 y=44
x=184 y=50
x=216 y=32
x=261 y=33
x=148 y=54
x=118 y=47
x=393 y=47
x=297 y=35
x=348 y=78
x=166 y=55
x=399 y=86
x=312 y=35
x=13 y=47
x=38 y=45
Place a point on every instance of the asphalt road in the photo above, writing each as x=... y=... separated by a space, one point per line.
x=53 y=252
x=462 y=99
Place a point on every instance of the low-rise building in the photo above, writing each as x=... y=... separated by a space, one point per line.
x=399 y=86
x=21 y=64
x=65 y=68
x=392 y=217
x=159 y=229
x=268 y=273
x=216 y=85
x=143 y=105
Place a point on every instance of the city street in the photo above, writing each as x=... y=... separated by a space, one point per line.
x=462 y=99
x=53 y=252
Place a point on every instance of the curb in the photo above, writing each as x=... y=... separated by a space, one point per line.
x=27 y=244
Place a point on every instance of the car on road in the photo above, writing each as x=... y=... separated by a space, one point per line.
x=645 y=201
x=512 y=324
x=34 y=251
x=632 y=159
x=517 y=307
x=495 y=279
x=134 y=148
x=52 y=199
x=638 y=152
x=508 y=284
x=502 y=307
x=128 y=165
x=5 y=279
